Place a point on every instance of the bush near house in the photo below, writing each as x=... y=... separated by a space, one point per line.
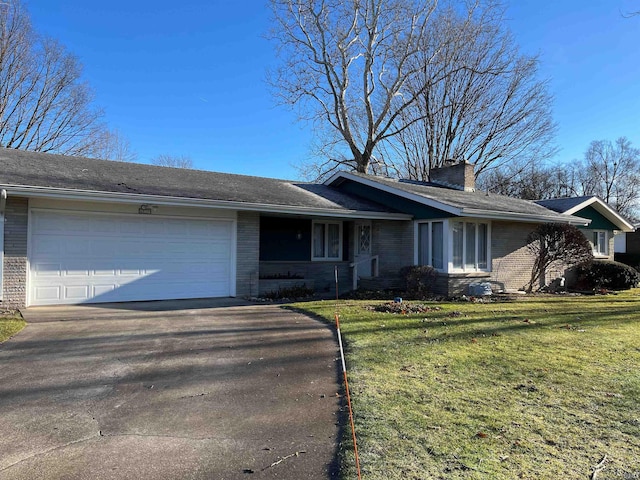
x=419 y=281
x=608 y=274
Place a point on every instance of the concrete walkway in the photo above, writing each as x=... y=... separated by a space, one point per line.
x=169 y=390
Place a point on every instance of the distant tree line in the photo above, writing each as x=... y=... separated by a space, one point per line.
x=610 y=170
x=45 y=106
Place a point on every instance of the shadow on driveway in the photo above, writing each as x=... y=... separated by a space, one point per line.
x=194 y=390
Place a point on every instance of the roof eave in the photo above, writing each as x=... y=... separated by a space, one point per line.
x=525 y=217
x=395 y=191
x=119 y=197
x=603 y=208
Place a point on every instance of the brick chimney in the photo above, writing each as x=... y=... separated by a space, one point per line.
x=458 y=175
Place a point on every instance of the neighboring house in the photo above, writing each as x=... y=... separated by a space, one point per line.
x=80 y=230
x=628 y=242
x=605 y=221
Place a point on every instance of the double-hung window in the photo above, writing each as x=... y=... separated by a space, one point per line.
x=600 y=243
x=327 y=241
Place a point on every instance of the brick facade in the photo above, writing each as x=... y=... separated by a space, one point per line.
x=247 y=254
x=511 y=261
x=14 y=274
x=392 y=241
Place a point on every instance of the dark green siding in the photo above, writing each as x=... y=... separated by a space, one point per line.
x=278 y=239
x=598 y=221
x=419 y=211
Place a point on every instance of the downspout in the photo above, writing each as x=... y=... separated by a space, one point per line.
x=3 y=200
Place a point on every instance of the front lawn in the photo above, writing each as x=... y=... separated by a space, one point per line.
x=537 y=388
x=10 y=325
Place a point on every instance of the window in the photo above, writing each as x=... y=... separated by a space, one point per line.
x=470 y=243
x=431 y=244
x=600 y=243
x=327 y=241
x=363 y=238
x=453 y=245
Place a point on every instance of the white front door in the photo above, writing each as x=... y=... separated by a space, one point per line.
x=362 y=255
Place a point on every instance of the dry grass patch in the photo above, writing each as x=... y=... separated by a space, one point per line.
x=540 y=388
x=10 y=324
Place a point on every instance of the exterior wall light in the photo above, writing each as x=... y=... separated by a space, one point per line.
x=145 y=210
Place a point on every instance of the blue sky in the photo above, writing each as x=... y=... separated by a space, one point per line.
x=188 y=77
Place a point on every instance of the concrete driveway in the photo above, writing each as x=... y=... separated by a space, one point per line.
x=169 y=390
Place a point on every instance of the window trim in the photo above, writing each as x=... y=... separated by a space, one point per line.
x=325 y=257
x=464 y=268
x=445 y=250
x=447 y=247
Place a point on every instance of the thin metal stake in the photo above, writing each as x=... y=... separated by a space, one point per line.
x=346 y=382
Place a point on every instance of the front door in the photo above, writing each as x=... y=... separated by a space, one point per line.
x=362 y=255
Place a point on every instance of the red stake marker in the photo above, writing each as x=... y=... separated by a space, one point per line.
x=346 y=383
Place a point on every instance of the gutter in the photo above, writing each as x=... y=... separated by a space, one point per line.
x=137 y=198
x=523 y=217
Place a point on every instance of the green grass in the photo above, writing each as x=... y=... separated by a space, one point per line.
x=539 y=388
x=10 y=325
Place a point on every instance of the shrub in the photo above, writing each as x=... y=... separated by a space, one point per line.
x=295 y=292
x=608 y=274
x=419 y=280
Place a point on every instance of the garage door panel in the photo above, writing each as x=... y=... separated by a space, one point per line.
x=75 y=259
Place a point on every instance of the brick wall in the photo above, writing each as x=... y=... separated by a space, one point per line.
x=512 y=263
x=460 y=175
x=247 y=254
x=392 y=240
x=15 y=253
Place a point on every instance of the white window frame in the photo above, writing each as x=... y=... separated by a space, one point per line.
x=594 y=247
x=416 y=250
x=448 y=244
x=325 y=257
x=465 y=268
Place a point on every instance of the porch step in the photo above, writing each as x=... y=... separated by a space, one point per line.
x=381 y=283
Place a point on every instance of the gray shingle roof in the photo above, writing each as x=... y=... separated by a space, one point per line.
x=22 y=168
x=562 y=205
x=465 y=200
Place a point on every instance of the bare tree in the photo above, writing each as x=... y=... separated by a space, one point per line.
x=175 y=161
x=612 y=171
x=533 y=181
x=489 y=108
x=43 y=104
x=346 y=64
x=111 y=145
x=554 y=243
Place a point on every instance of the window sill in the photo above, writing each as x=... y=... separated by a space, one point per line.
x=468 y=274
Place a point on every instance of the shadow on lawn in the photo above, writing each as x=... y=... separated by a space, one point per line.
x=492 y=321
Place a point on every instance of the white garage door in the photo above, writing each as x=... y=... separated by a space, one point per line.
x=90 y=258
